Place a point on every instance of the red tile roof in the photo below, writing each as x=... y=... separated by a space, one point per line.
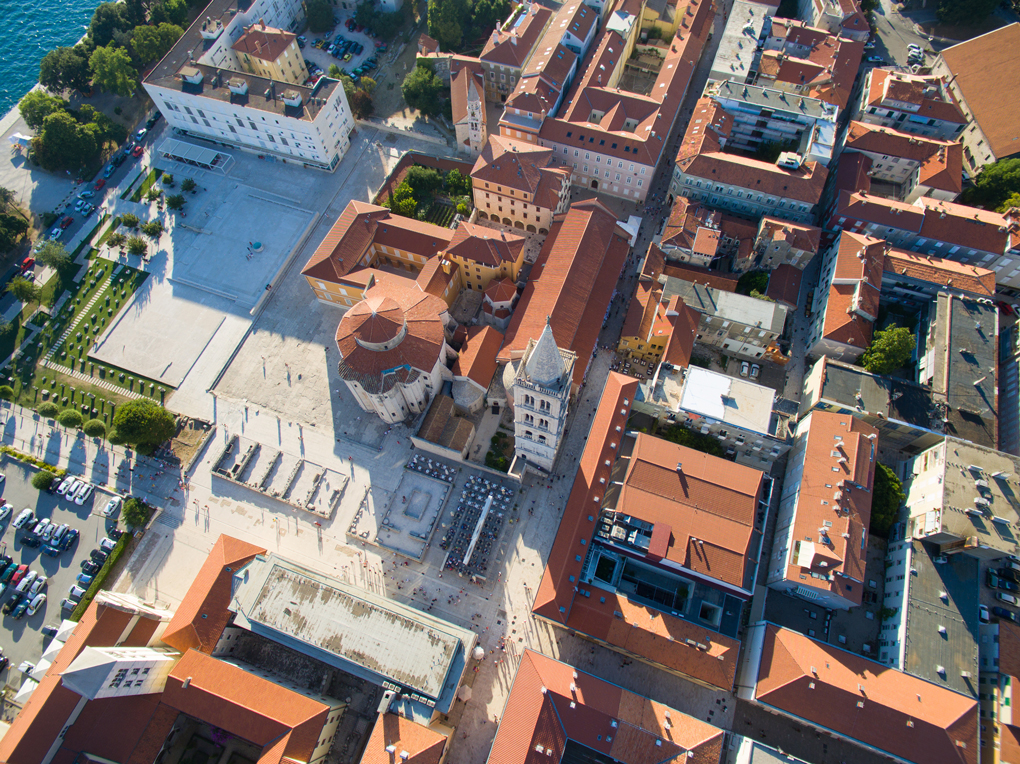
x=262 y=42
x=941 y=162
x=358 y=227
x=684 y=321
x=649 y=634
x=572 y=283
x=930 y=96
x=485 y=246
x=202 y=615
x=109 y=728
x=784 y=285
x=864 y=700
x=469 y=75
x=987 y=72
x=246 y=705
x=522 y=166
x=844 y=466
x=800 y=236
x=706 y=512
x=500 y=290
x=826 y=71
x=477 y=360
x=422 y=744
x=716 y=279
x=692 y=227
x=939 y=270
x=511 y=47
x=406 y=324
x=551 y=702
x=852 y=307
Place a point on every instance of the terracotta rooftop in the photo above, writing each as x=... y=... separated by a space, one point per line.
x=359 y=227
x=500 y=290
x=865 y=700
x=572 y=283
x=262 y=42
x=705 y=512
x=467 y=83
x=512 y=46
x=111 y=728
x=821 y=65
x=692 y=227
x=202 y=615
x=724 y=282
x=552 y=703
x=939 y=270
x=707 y=131
x=929 y=94
x=477 y=360
x=632 y=127
x=798 y=235
x=986 y=69
x=784 y=285
x=840 y=458
x=646 y=633
x=522 y=166
x=485 y=246
x=641 y=310
x=421 y=744
x=941 y=162
x=285 y=724
x=684 y=321
x=391 y=336
x=852 y=307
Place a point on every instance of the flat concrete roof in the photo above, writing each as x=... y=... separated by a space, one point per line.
x=749 y=311
x=740 y=38
x=384 y=637
x=728 y=399
x=779 y=101
x=942 y=596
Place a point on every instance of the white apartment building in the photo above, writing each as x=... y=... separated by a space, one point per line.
x=203 y=90
x=911 y=103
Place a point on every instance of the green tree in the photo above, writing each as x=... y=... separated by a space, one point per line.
x=136 y=246
x=175 y=201
x=886 y=497
x=486 y=15
x=890 y=350
x=169 y=12
x=153 y=228
x=94 y=428
x=129 y=220
x=11 y=230
x=69 y=418
x=995 y=184
x=65 y=69
x=143 y=422
x=37 y=105
x=188 y=184
x=403 y=201
x=965 y=12
x=1013 y=200
x=6 y=393
x=445 y=17
x=9 y=202
x=24 y=290
x=368 y=85
x=112 y=71
x=753 y=281
x=65 y=144
x=107 y=20
x=116 y=239
x=100 y=126
x=455 y=183
x=151 y=43
x=349 y=87
x=320 y=16
x=334 y=72
x=48 y=410
x=423 y=90
x=135 y=513
x=683 y=436
x=361 y=105
x=52 y=254
x=43 y=479
x=423 y=180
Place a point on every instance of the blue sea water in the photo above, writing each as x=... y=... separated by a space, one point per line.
x=29 y=29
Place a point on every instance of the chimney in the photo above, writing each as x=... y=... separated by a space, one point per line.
x=262 y=24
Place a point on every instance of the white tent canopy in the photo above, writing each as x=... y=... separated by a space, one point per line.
x=27 y=688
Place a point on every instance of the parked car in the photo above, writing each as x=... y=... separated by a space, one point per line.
x=141 y=133
x=76 y=593
x=66 y=221
x=1001 y=612
x=84 y=495
x=49 y=630
x=82 y=487
x=68 y=604
x=90 y=567
x=8 y=574
x=84 y=580
x=1009 y=574
x=19 y=611
x=66 y=484
x=876 y=60
x=5 y=512
x=37 y=602
x=100 y=184
x=107 y=545
x=51 y=551
x=1009 y=599
x=32 y=542
x=98 y=556
x=991 y=579
x=37 y=585
x=69 y=538
x=745 y=368
x=10 y=605
x=19 y=574
x=56 y=233
x=26 y=582
x=137 y=151
x=110 y=170
x=25 y=515
x=1009 y=586
x=86 y=194
x=755 y=370
x=151 y=122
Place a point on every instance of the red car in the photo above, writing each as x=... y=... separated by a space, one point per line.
x=1006 y=308
x=100 y=183
x=26 y=265
x=137 y=151
x=19 y=574
x=66 y=221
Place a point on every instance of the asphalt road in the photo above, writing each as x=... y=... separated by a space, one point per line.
x=20 y=640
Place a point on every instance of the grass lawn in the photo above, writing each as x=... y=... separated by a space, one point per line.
x=147 y=183
x=34 y=383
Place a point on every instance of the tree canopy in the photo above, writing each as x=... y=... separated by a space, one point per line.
x=23 y=289
x=113 y=71
x=65 y=69
x=135 y=513
x=890 y=350
x=320 y=16
x=361 y=105
x=997 y=186
x=886 y=498
x=151 y=43
x=383 y=24
x=459 y=25
x=37 y=105
x=753 y=281
x=12 y=228
x=64 y=143
x=965 y=12
x=53 y=254
x=143 y=422
x=684 y=436
x=174 y=12
x=108 y=19
x=423 y=90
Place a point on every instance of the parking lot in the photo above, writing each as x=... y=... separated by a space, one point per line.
x=323 y=59
x=21 y=639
